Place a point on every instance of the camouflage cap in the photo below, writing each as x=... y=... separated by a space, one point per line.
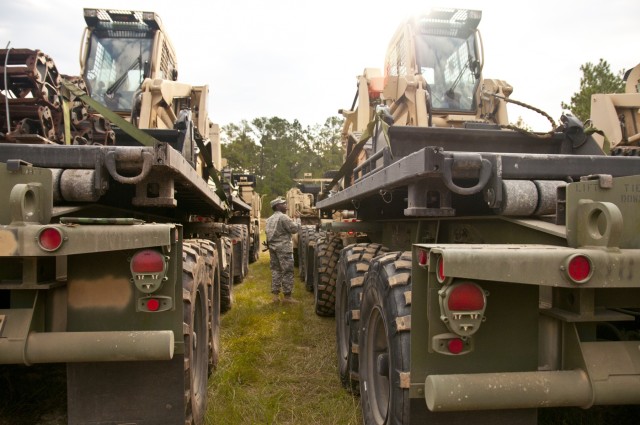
x=279 y=200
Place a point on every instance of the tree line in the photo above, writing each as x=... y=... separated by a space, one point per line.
x=278 y=151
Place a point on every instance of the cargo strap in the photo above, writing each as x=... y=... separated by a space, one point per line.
x=350 y=162
x=125 y=125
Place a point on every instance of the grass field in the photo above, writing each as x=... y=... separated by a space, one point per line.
x=277 y=362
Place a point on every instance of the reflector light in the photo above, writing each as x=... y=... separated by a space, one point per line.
x=440 y=270
x=579 y=268
x=455 y=346
x=147 y=261
x=466 y=297
x=423 y=257
x=50 y=239
x=153 y=304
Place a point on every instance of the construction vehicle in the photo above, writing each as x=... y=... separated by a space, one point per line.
x=496 y=271
x=617 y=116
x=115 y=238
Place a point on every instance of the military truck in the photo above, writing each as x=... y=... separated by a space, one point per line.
x=301 y=204
x=115 y=237
x=497 y=269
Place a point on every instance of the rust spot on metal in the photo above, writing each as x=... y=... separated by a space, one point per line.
x=8 y=243
x=105 y=292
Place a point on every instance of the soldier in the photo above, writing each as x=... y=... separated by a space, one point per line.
x=279 y=230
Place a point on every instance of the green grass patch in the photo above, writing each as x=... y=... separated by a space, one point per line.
x=277 y=362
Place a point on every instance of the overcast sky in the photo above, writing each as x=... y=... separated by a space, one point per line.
x=299 y=59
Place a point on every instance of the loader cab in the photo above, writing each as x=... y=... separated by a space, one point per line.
x=443 y=48
x=119 y=50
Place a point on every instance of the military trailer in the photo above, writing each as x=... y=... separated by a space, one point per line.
x=114 y=235
x=496 y=271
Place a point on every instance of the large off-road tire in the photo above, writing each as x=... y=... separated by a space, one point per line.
x=238 y=233
x=254 y=251
x=353 y=264
x=325 y=273
x=310 y=265
x=210 y=251
x=226 y=275
x=385 y=325
x=303 y=242
x=196 y=279
x=245 y=253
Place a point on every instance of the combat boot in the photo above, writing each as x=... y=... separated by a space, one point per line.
x=275 y=299
x=289 y=300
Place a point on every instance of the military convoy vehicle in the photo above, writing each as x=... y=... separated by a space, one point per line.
x=115 y=238
x=494 y=271
x=301 y=204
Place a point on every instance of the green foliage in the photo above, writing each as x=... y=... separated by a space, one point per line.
x=278 y=151
x=595 y=79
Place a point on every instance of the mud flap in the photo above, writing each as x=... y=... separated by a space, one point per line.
x=126 y=392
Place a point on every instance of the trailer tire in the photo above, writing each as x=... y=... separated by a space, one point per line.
x=254 y=252
x=195 y=281
x=226 y=276
x=325 y=272
x=385 y=340
x=353 y=265
x=311 y=261
x=238 y=238
x=245 y=252
x=210 y=252
x=303 y=242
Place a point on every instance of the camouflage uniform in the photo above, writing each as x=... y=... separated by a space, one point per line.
x=279 y=229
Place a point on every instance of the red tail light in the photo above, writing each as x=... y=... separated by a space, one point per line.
x=466 y=297
x=455 y=345
x=153 y=304
x=50 y=238
x=579 y=268
x=148 y=270
x=440 y=270
x=462 y=306
x=147 y=261
x=423 y=257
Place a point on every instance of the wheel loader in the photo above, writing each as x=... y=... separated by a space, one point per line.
x=495 y=271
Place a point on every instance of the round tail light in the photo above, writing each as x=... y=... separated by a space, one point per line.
x=579 y=268
x=50 y=238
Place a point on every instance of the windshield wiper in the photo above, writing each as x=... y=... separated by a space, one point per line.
x=137 y=64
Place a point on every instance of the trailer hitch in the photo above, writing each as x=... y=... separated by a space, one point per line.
x=465 y=165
